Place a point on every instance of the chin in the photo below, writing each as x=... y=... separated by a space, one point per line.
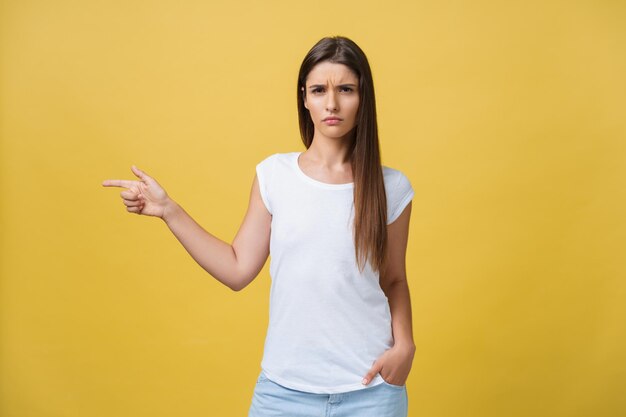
x=330 y=132
x=335 y=135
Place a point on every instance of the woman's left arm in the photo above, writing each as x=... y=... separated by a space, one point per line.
x=395 y=363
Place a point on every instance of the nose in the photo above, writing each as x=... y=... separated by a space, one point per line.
x=331 y=101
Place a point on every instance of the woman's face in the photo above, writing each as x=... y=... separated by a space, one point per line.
x=332 y=91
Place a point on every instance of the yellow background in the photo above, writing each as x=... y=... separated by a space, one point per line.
x=509 y=118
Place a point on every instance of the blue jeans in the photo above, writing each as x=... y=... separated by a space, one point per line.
x=383 y=400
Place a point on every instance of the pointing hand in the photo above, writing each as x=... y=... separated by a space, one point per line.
x=144 y=196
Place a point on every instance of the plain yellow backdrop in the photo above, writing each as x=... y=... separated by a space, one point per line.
x=509 y=118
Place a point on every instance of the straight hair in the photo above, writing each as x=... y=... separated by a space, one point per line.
x=370 y=199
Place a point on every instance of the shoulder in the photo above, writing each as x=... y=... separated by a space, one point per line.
x=393 y=177
x=280 y=162
x=398 y=190
x=268 y=170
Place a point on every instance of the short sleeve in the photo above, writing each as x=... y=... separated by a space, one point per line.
x=399 y=197
x=264 y=172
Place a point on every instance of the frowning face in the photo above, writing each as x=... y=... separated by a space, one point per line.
x=332 y=98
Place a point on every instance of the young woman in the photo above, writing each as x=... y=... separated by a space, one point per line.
x=335 y=221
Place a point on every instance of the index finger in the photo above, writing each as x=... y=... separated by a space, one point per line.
x=118 y=183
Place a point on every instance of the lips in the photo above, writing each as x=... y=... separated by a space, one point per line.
x=331 y=118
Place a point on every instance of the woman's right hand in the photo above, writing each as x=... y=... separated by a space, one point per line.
x=145 y=196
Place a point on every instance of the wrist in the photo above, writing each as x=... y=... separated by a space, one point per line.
x=170 y=209
x=407 y=345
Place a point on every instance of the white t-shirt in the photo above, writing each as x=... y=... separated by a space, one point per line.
x=328 y=323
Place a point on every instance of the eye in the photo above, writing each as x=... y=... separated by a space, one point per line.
x=346 y=89
x=317 y=90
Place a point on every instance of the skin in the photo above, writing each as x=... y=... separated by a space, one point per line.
x=238 y=263
x=330 y=90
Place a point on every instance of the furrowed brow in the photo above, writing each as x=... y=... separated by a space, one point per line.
x=340 y=85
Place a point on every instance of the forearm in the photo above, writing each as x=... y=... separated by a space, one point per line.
x=401 y=316
x=212 y=254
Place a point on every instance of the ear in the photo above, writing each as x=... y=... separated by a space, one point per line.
x=304 y=97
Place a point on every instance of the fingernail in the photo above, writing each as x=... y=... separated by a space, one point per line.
x=364 y=382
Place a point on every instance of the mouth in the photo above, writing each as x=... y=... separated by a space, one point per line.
x=328 y=119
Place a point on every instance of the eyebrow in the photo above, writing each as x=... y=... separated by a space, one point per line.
x=341 y=85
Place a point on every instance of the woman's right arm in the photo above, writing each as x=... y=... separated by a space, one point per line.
x=234 y=265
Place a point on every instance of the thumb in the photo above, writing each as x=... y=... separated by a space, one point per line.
x=371 y=373
x=139 y=173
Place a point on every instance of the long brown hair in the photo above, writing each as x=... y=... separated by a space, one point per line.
x=370 y=200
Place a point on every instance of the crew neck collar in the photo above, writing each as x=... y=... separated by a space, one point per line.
x=315 y=182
